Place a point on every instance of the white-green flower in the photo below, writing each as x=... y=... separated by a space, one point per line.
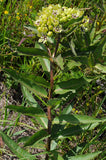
x=50 y=20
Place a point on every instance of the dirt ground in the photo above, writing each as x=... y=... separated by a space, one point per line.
x=13 y=97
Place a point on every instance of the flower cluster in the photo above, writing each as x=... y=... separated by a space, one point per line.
x=50 y=20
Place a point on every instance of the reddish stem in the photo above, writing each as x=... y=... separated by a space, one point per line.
x=49 y=97
x=49 y=112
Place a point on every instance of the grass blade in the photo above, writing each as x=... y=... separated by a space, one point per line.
x=89 y=156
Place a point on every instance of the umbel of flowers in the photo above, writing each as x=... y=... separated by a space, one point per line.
x=50 y=20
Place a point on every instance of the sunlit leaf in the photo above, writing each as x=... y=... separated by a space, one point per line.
x=75 y=130
x=67 y=109
x=43 y=121
x=37 y=80
x=40 y=46
x=59 y=61
x=89 y=156
x=56 y=156
x=51 y=40
x=72 y=45
x=33 y=103
x=29 y=98
x=99 y=50
x=91 y=60
x=18 y=151
x=76 y=119
x=34 y=88
x=93 y=30
x=71 y=64
x=53 y=145
x=36 y=137
x=33 y=52
x=101 y=67
x=30 y=111
x=54 y=102
x=70 y=85
x=32 y=28
x=44 y=62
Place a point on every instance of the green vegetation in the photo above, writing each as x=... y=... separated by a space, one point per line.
x=54 y=54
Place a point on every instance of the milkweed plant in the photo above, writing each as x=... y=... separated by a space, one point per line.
x=54 y=26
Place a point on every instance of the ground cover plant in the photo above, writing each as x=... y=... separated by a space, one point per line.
x=61 y=71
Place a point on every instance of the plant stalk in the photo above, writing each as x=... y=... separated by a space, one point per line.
x=49 y=111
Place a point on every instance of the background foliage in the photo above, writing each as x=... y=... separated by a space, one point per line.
x=86 y=64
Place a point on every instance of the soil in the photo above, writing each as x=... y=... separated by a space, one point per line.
x=13 y=97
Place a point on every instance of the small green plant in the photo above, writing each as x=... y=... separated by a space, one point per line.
x=57 y=50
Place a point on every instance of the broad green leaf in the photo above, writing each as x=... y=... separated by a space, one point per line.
x=60 y=131
x=70 y=85
x=40 y=145
x=93 y=30
x=54 y=102
x=60 y=157
x=71 y=64
x=22 y=139
x=30 y=111
x=18 y=151
x=42 y=121
x=72 y=45
x=91 y=60
x=29 y=98
x=76 y=119
x=89 y=156
x=56 y=156
x=36 y=137
x=67 y=110
x=37 y=80
x=53 y=145
x=44 y=62
x=101 y=29
x=32 y=28
x=59 y=61
x=100 y=49
x=34 y=88
x=79 y=59
x=56 y=129
x=59 y=90
x=41 y=81
x=101 y=67
x=33 y=103
x=51 y=40
x=40 y=46
x=77 y=74
x=104 y=6
x=96 y=40
x=76 y=130
x=33 y=52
